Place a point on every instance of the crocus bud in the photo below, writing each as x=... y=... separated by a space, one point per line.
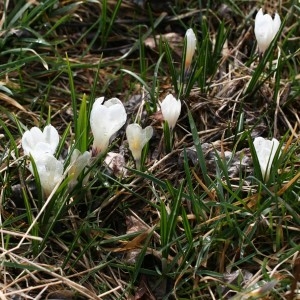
x=137 y=138
x=190 y=48
x=50 y=171
x=106 y=119
x=265 y=29
x=170 y=109
x=78 y=162
x=36 y=142
x=265 y=151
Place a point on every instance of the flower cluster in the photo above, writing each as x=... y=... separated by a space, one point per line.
x=41 y=146
x=106 y=119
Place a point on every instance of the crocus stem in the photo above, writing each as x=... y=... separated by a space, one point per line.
x=168 y=136
x=138 y=164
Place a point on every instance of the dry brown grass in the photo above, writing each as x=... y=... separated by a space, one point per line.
x=100 y=264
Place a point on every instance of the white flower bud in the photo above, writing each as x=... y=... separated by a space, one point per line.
x=191 y=42
x=106 y=119
x=137 y=138
x=265 y=29
x=265 y=151
x=78 y=162
x=171 y=108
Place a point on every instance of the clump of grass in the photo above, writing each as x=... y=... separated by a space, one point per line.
x=197 y=223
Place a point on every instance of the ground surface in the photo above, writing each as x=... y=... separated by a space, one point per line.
x=199 y=221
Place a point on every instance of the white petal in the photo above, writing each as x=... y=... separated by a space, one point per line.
x=99 y=100
x=78 y=163
x=50 y=172
x=30 y=138
x=276 y=24
x=148 y=134
x=42 y=149
x=132 y=131
x=259 y=16
x=117 y=117
x=51 y=137
x=112 y=101
x=75 y=154
x=34 y=140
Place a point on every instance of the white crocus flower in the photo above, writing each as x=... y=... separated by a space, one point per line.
x=265 y=29
x=137 y=138
x=78 y=162
x=170 y=109
x=50 y=171
x=265 y=151
x=191 y=42
x=36 y=142
x=106 y=119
